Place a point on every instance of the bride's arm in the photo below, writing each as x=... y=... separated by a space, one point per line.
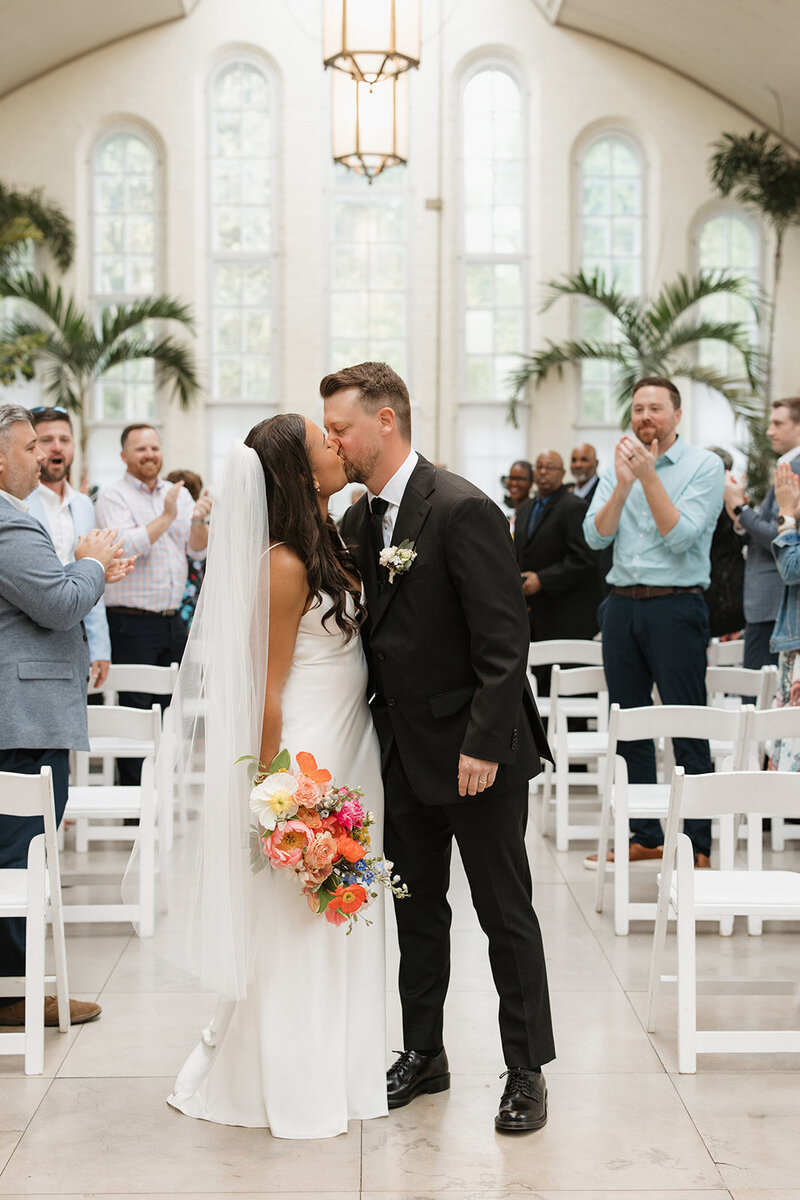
x=288 y=596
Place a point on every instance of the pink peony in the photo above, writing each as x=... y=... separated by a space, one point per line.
x=321 y=853
x=308 y=792
x=286 y=844
x=332 y=825
x=351 y=813
x=334 y=916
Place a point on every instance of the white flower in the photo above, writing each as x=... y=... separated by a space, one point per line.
x=397 y=559
x=272 y=800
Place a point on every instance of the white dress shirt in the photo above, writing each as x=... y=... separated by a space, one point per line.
x=59 y=518
x=393 y=493
x=582 y=489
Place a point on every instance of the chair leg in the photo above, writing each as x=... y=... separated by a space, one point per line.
x=602 y=854
x=622 y=923
x=544 y=800
x=687 y=968
x=778 y=839
x=755 y=862
x=34 y=961
x=81 y=835
x=562 y=806
x=727 y=854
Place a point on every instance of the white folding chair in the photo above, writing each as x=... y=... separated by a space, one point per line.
x=623 y=800
x=94 y=803
x=586 y=685
x=134 y=677
x=765 y=727
x=726 y=654
x=563 y=652
x=35 y=894
x=693 y=896
x=727 y=687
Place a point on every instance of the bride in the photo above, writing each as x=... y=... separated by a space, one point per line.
x=297 y=1043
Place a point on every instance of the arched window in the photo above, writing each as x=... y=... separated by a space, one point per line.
x=126 y=235
x=242 y=245
x=611 y=206
x=368 y=281
x=493 y=183
x=726 y=240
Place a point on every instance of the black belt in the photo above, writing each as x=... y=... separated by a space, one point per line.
x=641 y=591
x=141 y=612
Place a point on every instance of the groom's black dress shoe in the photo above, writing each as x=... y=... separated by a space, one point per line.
x=523 y=1105
x=413 y=1074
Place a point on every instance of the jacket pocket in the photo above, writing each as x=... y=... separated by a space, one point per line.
x=450 y=702
x=45 y=670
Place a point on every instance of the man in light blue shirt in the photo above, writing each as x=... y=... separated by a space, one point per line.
x=658 y=506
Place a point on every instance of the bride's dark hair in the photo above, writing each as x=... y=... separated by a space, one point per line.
x=295 y=517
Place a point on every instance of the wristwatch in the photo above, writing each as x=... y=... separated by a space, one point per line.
x=786 y=522
x=738 y=509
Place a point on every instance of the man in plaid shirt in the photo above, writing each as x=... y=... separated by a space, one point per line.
x=161 y=524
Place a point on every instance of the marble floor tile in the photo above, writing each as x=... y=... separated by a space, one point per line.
x=704 y=1194
x=750 y=1128
x=145 y=966
x=118 y=1135
x=765 y=1193
x=19 y=1100
x=9 y=1140
x=315 y=1195
x=91 y=957
x=605 y=1132
x=56 y=1047
x=139 y=1034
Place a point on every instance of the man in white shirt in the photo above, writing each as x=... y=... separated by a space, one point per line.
x=67 y=515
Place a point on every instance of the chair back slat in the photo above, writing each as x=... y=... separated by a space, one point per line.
x=577 y=681
x=115 y=721
x=25 y=795
x=726 y=654
x=742 y=681
x=676 y=720
x=138 y=677
x=770 y=793
x=566 y=651
x=769 y=724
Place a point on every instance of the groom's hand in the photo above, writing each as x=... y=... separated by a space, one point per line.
x=475 y=775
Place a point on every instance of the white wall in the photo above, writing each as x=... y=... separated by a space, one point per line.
x=573 y=83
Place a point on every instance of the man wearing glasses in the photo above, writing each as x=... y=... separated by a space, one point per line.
x=67 y=515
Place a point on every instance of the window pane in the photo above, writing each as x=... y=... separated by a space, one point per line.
x=728 y=242
x=241 y=137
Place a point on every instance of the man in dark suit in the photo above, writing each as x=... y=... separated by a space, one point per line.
x=585 y=468
x=559 y=571
x=446 y=641
x=763 y=586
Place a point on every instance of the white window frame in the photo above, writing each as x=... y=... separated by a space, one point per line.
x=522 y=259
x=99 y=300
x=583 y=145
x=269 y=405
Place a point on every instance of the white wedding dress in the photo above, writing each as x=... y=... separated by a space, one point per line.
x=305 y=1051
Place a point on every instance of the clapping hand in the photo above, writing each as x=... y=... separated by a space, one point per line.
x=734 y=494
x=202 y=507
x=638 y=460
x=171 y=501
x=787 y=490
x=104 y=546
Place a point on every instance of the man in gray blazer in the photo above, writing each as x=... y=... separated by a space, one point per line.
x=44 y=663
x=763 y=586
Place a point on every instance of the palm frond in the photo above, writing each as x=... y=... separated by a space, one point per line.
x=536 y=367
x=26 y=215
x=174 y=363
x=674 y=299
x=762 y=174
x=589 y=287
x=127 y=317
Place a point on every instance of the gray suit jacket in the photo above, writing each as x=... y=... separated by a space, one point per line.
x=763 y=586
x=44 y=655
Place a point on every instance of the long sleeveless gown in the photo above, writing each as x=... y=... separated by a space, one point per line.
x=305 y=1051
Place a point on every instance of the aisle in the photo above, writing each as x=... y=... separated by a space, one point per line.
x=622 y=1123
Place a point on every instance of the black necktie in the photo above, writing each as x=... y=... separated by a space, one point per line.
x=377 y=510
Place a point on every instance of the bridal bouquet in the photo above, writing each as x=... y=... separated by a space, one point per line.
x=305 y=825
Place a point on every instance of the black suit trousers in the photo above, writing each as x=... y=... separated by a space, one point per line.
x=490 y=834
x=16 y=834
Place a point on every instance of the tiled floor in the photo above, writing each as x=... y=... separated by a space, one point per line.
x=622 y=1123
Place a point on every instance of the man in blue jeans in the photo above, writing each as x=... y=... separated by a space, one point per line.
x=658 y=506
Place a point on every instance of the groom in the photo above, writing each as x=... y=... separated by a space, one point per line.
x=447 y=644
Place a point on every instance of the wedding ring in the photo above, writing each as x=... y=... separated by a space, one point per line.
x=483 y=781
x=631 y=457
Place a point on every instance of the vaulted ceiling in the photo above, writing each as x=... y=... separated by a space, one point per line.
x=39 y=35
x=745 y=51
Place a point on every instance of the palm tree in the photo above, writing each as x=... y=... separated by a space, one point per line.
x=763 y=175
x=75 y=354
x=652 y=337
x=30 y=216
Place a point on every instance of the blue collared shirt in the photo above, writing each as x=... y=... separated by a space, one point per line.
x=694 y=480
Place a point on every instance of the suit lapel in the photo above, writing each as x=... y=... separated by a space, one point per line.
x=411 y=517
x=361 y=549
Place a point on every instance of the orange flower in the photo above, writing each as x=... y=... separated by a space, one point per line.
x=309 y=817
x=308 y=765
x=334 y=916
x=349 y=848
x=348 y=898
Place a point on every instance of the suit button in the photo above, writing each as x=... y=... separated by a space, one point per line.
x=380 y=655
x=85 y=638
x=391 y=702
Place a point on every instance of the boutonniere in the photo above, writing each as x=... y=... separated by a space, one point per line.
x=398 y=559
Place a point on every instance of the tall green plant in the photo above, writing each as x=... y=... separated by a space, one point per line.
x=74 y=354
x=762 y=174
x=30 y=216
x=652 y=337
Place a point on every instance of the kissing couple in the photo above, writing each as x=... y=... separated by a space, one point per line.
x=408 y=681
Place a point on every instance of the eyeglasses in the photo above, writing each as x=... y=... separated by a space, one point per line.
x=506 y=479
x=547 y=470
x=48 y=408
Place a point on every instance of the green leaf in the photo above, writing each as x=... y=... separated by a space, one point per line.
x=324 y=899
x=281 y=762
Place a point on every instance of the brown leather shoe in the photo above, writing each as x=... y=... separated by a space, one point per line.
x=636 y=853
x=702 y=862
x=80 y=1011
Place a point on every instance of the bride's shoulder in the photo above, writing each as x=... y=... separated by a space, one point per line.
x=285 y=566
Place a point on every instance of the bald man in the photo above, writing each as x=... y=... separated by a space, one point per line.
x=559 y=571
x=583 y=465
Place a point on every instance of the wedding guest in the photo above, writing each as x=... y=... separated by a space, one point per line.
x=163 y=527
x=725 y=593
x=518 y=483
x=42 y=607
x=583 y=465
x=67 y=515
x=197 y=566
x=763 y=586
x=785 y=639
x=658 y=505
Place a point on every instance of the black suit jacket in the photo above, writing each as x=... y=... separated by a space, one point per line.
x=556 y=550
x=447 y=641
x=605 y=557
